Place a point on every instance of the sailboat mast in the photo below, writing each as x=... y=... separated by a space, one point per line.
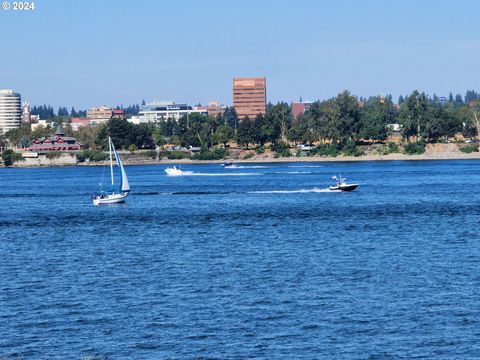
x=110 y=151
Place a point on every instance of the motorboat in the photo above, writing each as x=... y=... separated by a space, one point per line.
x=227 y=164
x=174 y=171
x=341 y=185
x=114 y=196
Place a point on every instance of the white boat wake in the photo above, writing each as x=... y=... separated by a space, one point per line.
x=299 y=191
x=191 y=173
x=246 y=167
x=183 y=173
x=231 y=174
x=304 y=166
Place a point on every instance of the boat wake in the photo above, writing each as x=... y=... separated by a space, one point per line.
x=246 y=167
x=182 y=173
x=191 y=173
x=223 y=174
x=305 y=166
x=299 y=191
x=152 y=193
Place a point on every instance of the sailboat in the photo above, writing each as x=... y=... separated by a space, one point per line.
x=112 y=196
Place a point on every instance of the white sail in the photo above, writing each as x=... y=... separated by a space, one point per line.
x=124 y=184
x=112 y=197
x=110 y=146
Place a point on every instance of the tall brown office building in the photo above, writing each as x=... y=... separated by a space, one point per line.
x=250 y=97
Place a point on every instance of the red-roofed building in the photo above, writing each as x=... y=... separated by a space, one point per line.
x=118 y=113
x=78 y=122
x=298 y=108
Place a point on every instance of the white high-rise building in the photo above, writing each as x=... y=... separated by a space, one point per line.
x=10 y=110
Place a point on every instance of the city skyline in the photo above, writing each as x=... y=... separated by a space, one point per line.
x=114 y=53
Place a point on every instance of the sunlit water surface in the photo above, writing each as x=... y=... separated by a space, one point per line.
x=257 y=261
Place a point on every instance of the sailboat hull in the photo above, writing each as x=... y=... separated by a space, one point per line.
x=110 y=199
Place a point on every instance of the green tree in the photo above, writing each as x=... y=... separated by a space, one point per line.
x=9 y=157
x=132 y=148
x=121 y=132
x=442 y=122
x=279 y=117
x=230 y=117
x=473 y=115
x=88 y=135
x=196 y=130
x=246 y=132
x=458 y=99
x=349 y=116
x=15 y=136
x=414 y=115
x=223 y=134
x=142 y=136
x=378 y=112
x=262 y=130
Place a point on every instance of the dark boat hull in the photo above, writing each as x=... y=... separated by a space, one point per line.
x=344 y=187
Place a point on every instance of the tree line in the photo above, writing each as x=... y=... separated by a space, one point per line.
x=47 y=112
x=342 y=120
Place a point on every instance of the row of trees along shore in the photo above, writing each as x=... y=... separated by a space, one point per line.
x=46 y=112
x=336 y=124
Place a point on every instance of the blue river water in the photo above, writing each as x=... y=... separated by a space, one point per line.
x=258 y=261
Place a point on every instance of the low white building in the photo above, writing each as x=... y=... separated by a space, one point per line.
x=163 y=110
x=43 y=123
x=394 y=127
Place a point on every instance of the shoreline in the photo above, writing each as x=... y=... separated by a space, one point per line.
x=270 y=159
x=266 y=159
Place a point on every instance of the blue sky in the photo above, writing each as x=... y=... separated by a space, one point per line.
x=91 y=53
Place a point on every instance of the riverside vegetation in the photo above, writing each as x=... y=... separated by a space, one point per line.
x=337 y=126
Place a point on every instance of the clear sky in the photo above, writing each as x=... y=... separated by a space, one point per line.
x=109 y=52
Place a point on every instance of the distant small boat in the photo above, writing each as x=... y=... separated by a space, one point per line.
x=174 y=171
x=342 y=185
x=227 y=164
x=112 y=197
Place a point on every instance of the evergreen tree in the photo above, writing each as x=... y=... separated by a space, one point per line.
x=279 y=118
x=246 y=132
x=471 y=95
x=230 y=117
x=375 y=117
x=414 y=115
x=62 y=111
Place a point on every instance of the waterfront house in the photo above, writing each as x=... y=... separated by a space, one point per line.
x=57 y=142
